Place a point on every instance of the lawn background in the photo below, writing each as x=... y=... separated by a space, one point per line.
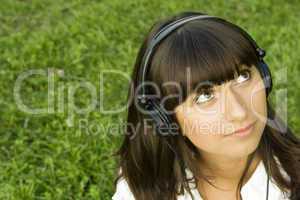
x=46 y=157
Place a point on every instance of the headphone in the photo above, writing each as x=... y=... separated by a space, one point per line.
x=162 y=120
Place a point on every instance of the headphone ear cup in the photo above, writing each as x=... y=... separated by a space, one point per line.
x=162 y=120
x=267 y=77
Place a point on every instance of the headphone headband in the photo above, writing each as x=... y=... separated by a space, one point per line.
x=163 y=33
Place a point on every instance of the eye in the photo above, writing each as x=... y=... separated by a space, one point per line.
x=244 y=76
x=204 y=96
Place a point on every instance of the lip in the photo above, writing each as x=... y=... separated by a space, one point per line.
x=243 y=131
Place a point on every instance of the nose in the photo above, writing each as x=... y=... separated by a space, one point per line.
x=233 y=107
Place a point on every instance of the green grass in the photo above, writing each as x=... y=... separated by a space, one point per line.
x=43 y=156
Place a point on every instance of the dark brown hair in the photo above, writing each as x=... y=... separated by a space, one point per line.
x=213 y=49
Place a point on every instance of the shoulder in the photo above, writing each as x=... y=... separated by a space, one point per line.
x=122 y=191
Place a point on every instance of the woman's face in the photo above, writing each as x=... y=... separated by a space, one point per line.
x=209 y=118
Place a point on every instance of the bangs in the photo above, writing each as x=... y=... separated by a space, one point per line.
x=201 y=51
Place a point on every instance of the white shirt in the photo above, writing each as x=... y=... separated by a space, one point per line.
x=254 y=188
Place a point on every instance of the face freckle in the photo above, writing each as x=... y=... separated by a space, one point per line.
x=208 y=126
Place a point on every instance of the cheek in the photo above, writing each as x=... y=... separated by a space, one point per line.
x=258 y=108
x=257 y=102
x=201 y=130
x=205 y=142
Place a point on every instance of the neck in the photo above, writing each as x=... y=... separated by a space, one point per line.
x=227 y=171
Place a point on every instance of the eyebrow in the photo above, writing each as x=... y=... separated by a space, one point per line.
x=209 y=84
x=243 y=67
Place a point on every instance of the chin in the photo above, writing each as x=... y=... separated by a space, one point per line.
x=242 y=151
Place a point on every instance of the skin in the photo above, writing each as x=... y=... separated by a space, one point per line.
x=208 y=126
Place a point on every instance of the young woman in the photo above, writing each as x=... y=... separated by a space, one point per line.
x=230 y=144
